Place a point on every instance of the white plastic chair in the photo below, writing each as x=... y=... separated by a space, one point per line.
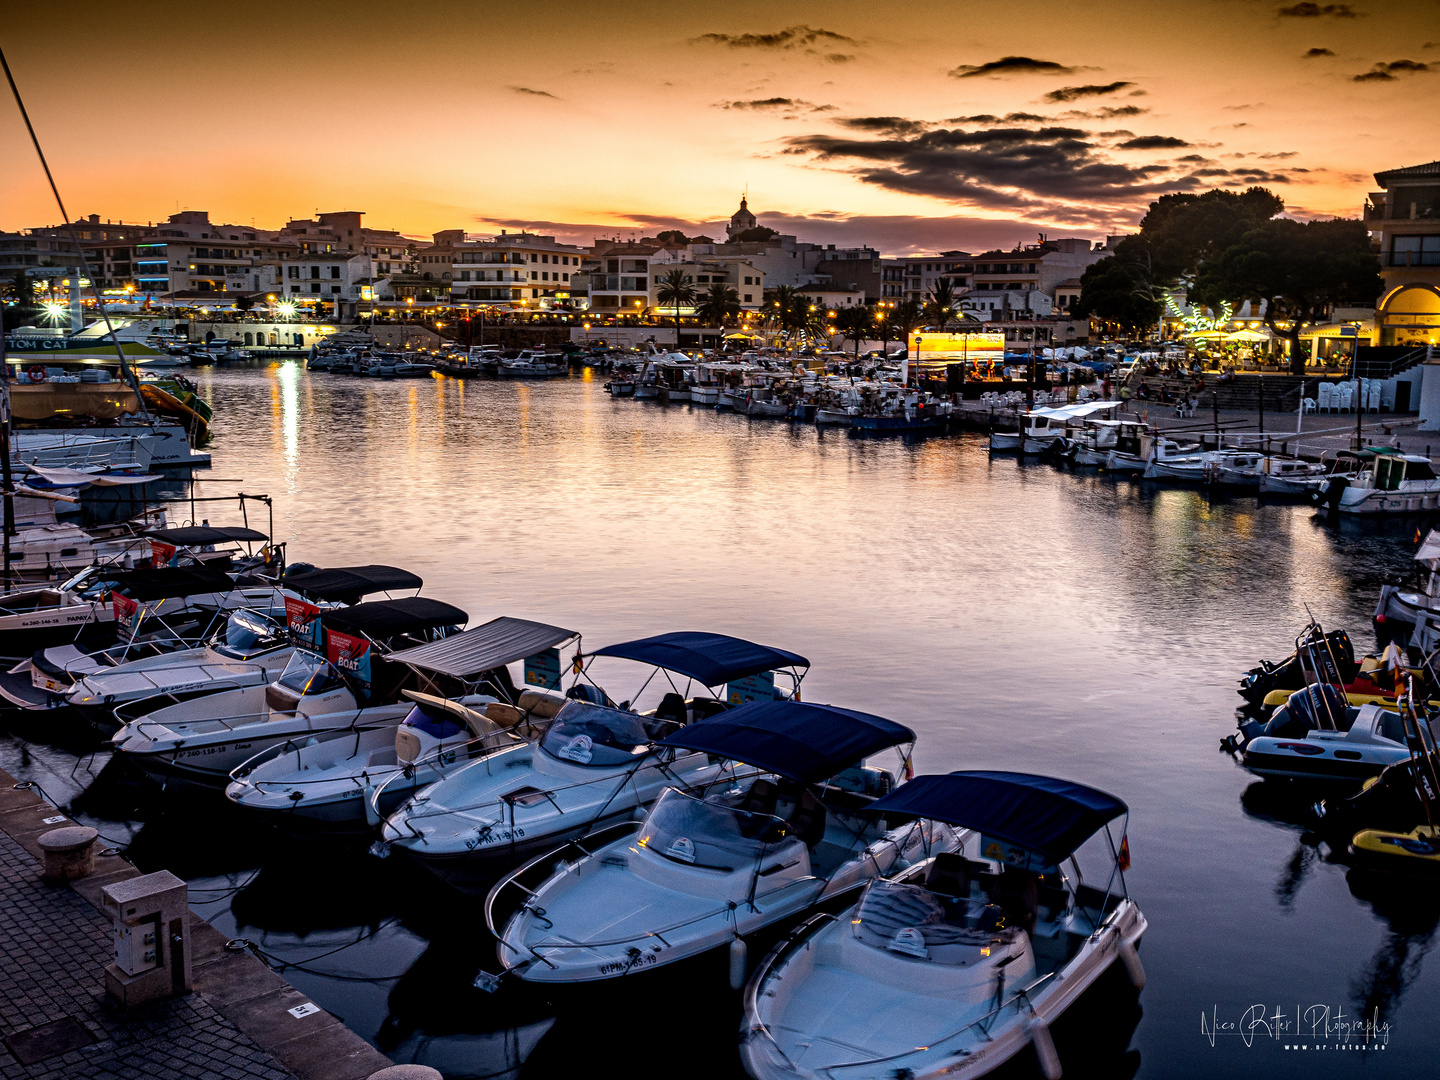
x=1372 y=396
x=1343 y=394
x=1324 y=397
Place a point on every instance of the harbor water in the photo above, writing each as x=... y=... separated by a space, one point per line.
x=1015 y=615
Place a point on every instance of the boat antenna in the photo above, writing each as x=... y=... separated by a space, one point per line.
x=126 y=373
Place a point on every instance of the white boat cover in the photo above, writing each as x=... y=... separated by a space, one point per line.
x=1430 y=549
x=480 y=649
x=76 y=478
x=1079 y=409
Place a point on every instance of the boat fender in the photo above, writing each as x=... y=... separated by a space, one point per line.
x=738 y=963
x=1130 y=957
x=372 y=815
x=1045 y=1054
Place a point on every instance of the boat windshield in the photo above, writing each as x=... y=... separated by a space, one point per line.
x=248 y=633
x=709 y=834
x=89 y=584
x=307 y=673
x=589 y=734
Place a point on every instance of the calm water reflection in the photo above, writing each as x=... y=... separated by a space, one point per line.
x=1016 y=616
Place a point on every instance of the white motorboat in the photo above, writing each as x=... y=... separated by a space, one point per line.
x=713 y=864
x=1003 y=439
x=1387 y=482
x=352 y=685
x=252 y=649
x=1291 y=476
x=1137 y=446
x=1199 y=468
x=151 y=610
x=532 y=364
x=1043 y=427
x=349 y=778
x=1400 y=611
x=959 y=964
x=596 y=765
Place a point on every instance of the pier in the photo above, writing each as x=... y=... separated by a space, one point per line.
x=237 y=1024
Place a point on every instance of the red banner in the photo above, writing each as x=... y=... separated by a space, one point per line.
x=350 y=655
x=301 y=620
x=161 y=554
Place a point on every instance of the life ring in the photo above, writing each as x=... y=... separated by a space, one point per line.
x=36 y=372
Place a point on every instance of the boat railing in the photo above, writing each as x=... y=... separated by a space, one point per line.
x=295 y=745
x=480 y=747
x=240 y=720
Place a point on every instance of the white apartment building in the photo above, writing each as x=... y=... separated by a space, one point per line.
x=509 y=268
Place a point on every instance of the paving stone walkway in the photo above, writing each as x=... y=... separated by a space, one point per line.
x=57 y=946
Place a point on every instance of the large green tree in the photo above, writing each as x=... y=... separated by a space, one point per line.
x=1300 y=270
x=675 y=291
x=1177 y=235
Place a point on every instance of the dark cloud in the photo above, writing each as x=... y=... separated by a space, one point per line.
x=1012 y=65
x=1277 y=154
x=533 y=93
x=1383 y=72
x=1312 y=53
x=839 y=57
x=1074 y=93
x=1110 y=112
x=1154 y=142
x=1197 y=159
x=885 y=125
x=1023 y=170
x=791 y=37
x=983 y=118
x=762 y=104
x=1315 y=11
x=1025 y=118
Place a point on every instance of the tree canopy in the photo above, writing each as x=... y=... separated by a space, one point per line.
x=1300 y=270
x=755 y=235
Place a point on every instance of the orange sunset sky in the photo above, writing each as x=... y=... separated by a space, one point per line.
x=912 y=126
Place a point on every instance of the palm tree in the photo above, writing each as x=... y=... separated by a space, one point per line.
x=940 y=304
x=854 y=324
x=675 y=289
x=718 y=305
x=787 y=307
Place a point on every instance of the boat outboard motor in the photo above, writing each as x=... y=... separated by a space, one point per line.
x=1319 y=705
x=1289 y=674
x=1329 y=494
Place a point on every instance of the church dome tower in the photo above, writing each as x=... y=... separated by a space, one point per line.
x=741 y=220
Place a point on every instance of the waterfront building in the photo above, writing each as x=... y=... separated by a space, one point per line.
x=1404 y=221
x=995 y=304
x=831 y=297
x=863 y=269
x=922 y=272
x=512 y=268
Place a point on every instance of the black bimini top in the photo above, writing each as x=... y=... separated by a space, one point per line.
x=347 y=584
x=1053 y=817
x=388 y=618
x=711 y=658
x=164 y=582
x=798 y=740
x=192 y=535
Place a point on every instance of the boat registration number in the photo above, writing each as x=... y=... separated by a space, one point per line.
x=619 y=967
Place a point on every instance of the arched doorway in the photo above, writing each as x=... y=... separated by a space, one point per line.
x=1410 y=315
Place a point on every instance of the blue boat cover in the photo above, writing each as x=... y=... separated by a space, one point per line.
x=1053 y=817
x=798 y=740
x=711 y=658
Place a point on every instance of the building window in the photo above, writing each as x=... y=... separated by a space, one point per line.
x=294 y=272
x=294 y=288
x=534 y=275
x=315 y=288
x=533 y=258
x=334 y=272
x=567 y=277
x=747 y=298
x=314 y=271
x=335 y=289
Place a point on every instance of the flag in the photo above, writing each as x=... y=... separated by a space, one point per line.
x=1123 y=859
x=909 y=769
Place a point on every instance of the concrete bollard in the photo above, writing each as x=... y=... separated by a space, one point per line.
x=69 y=852
x=407 y=1072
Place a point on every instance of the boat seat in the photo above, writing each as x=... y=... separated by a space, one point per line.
x=1017 y=895
x=760 y=799
x=948 y=875
x=540 y=706
x=807 y=820
x=506 y=716
x=672 y=707
x=65 y=660
x=702 y=708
